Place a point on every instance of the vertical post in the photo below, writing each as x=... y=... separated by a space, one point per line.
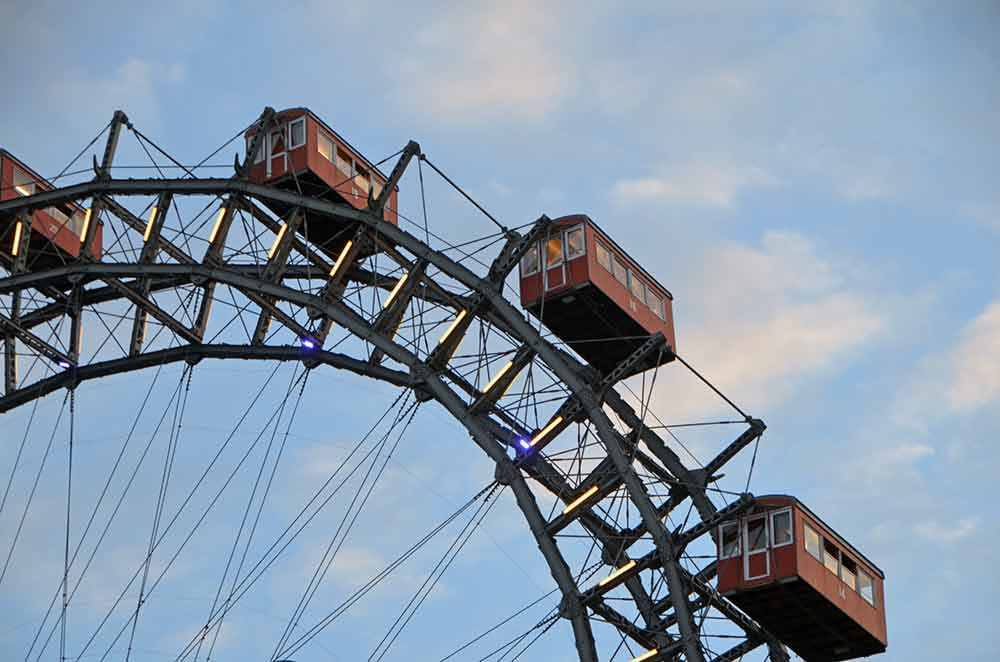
x=19 y=252
x=103 y=172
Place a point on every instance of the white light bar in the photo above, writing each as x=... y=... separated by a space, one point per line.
x=461 y=315
x=496 y=377
x=15 y=248
x=547 y=429
x=277 y=241
x=580 y=499
x=86 y=224
x=645 y=656
x=149 y=224
x=218 y=224
x=395 y=290
x=341 y=258
x=617 y=573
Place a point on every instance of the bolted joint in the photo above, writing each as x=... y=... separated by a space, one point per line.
x=193 y=359
x=505 y=472
x=570 y=607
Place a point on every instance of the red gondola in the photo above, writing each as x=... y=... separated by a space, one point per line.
x=303 y=153
x=55 y=232
x=593 y=296
x=786 y=568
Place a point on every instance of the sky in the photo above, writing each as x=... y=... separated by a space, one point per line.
x=816 y=183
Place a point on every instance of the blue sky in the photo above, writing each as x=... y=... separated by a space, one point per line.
x=816 y=185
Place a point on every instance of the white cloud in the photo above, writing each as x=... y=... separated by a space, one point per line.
x=493 y=61
x=947 y=533
x=964 y=378
x=132 y=87
x=704 y=183
x=761 y=320
x=975 y=363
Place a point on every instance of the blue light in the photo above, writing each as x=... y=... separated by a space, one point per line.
x=524 y=443
x=65 y=365
x=308 y=343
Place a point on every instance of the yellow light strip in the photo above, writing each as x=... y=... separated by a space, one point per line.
x=496 y=377
x=547 y=429
x=617 y=573
x=218 y=224
x=395 y=290
x=15 y=248
x=341 y=258
x=580 y=499
x=451 y=328
x=149 y=224
x=86 y=224
x=277 y=240
x=645 y=656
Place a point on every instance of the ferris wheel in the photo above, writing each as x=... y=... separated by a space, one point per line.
x=303 y=259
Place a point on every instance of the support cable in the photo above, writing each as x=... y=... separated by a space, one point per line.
x=381 y=575
x=31 y=495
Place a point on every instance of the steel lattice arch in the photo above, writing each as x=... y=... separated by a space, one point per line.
x=398 y=317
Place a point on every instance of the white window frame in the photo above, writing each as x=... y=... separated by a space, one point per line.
x=290 y=145
x=320 y=137
x=562 y=251
x=791 y=528
x=871 y=583
x=28 y=187
x=599 y=248
x=722 y=538
x=583 y=246
x=805 y=541
x=641 y=298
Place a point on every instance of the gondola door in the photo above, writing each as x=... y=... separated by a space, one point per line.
x=555 y=263
x=277 y=152
x=756 y=554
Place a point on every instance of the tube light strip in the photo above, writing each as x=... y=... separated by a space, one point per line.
x=580 y=499
x=547 y=429
x=15 y=248
x=454 y=324
x=645 y=656
x=341 y=258
x=496 y=377
x=617 y=573
x=149 y=224
x=395 y=290
x=86 y=225
x=218 y=224
x=277 y=241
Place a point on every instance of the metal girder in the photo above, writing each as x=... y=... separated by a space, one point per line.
x=738 y=651
x=655 y=343
x=639 y=635
x=33 y=341
x=377 y=205
x=515 y=248
x=264 y=123
x=757 y=428
x=19 y=255
x=150 y=249
x=394 y=308
x=741 y=505
x=277 y=259
x=150 y=307
x=103 y=173
x=194 y=353
x=720 y=603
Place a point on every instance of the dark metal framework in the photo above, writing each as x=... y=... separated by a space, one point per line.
x=168 y=271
